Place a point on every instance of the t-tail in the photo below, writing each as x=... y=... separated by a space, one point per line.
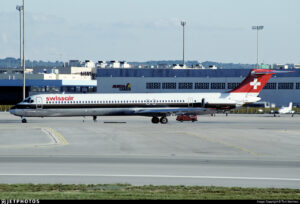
x=255 y=81
x=290 y=106
x=249 y=89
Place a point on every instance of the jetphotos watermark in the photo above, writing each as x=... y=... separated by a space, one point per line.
x=16 y=201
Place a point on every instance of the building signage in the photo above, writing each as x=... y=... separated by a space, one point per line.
x=122 y=87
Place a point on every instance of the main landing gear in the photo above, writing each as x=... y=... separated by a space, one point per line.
x=162 y=120
x=95 y=118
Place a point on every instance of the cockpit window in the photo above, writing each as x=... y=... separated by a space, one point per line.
x=28 y=100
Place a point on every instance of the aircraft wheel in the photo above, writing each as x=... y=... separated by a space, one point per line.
x=155 y=120
x=95 y=118
x=24 y=120
x=164 y=120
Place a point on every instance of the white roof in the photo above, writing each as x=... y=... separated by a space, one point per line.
x=79 y=82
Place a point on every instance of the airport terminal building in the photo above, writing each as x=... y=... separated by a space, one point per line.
x=44 y=81
x=280 y=90
x=11 y=91
x=121 y=77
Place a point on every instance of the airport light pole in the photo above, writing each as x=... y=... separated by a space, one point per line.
x=24 y=66
x=183 y=23
x=257 y=28
x=20 y=8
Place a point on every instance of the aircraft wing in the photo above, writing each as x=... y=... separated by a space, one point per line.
x=176 y=111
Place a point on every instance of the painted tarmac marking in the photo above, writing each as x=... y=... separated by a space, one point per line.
x=160 y=176
x=55 y=136
x=214 y=140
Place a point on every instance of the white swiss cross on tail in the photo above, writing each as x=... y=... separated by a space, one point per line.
x=255 y=83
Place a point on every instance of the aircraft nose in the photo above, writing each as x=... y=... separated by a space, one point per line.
x=12 y=110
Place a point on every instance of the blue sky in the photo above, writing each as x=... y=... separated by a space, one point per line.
x=142 y=30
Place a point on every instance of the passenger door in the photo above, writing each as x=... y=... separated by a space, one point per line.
x=39 y=103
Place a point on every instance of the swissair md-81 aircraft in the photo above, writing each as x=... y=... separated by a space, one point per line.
x=155 y=105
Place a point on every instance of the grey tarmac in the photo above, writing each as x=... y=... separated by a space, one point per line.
x=238 y=150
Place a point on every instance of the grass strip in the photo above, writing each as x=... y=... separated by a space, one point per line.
x=129 y=192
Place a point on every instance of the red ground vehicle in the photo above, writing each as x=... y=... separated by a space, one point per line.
x=182 y=118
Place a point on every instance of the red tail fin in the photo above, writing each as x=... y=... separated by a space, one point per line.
x=255 y=81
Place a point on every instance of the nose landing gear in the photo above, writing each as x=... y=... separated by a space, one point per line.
x=162 y=120
x=24 y=120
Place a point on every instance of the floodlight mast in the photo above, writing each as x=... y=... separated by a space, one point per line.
x=257 y=28
x=22 y=32
x=183 y=23
x=24 y=66
x=20 y=8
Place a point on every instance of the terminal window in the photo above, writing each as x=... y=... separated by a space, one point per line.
x=217 y=86
x=201 y=85
x=37 y=89
x=232 y=85
x=169 y=85
x=153 y=85
x=185 y=86
x=270 y=86
x=297 y=85
x=285 y=85
x=52 y=89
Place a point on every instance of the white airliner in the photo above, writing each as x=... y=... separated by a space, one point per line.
x=155 y=105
